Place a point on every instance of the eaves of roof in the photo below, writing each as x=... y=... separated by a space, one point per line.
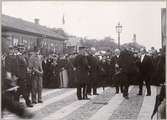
x=7 y=28
x=19 y=25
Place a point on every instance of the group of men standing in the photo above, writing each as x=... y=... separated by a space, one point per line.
x=21 y=75
x=120 y=70
x=86 y=67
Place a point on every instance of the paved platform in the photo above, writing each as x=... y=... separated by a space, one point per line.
x=62 y=104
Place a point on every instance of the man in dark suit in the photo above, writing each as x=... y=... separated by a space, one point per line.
x=160 y=103
x=146 y=67
x=102 y=72
x=125 y=62
x=49 y=73
x=22 y=74
x=116 y=79
x=93 y=70
x=44 y=68
x=70 y=70
x=158 y=76
x=81 y=66
x=107 y=71
x=160 y=67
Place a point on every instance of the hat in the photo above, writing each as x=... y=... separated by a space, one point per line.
x=142 y=50
x=93 y=49
x=117 y=50
x=10 y=47
x=36 y=49
x=81 y=48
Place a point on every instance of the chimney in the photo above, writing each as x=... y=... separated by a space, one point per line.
x=36 y=21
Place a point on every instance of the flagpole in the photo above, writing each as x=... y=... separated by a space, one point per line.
x=63 y=22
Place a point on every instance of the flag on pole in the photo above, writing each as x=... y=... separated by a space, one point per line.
x=63 y=20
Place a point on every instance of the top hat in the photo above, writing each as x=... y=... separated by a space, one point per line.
x=81 y=48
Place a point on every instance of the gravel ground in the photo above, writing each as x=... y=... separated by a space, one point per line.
x=86 y=111
x=129 y=109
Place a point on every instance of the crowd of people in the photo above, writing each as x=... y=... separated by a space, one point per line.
x=26 y=73
x=121 y=69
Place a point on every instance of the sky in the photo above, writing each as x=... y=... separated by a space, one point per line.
x=95 y=20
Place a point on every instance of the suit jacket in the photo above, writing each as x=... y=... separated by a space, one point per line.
x=36 y=63
x=114 y=61
x=94 y=69
x=146 y=66
x=44 y=66
x=93 y=63
x=22 y=67
x=126 y=61
x=160 y=69
x=81 y=65
x=11 y=64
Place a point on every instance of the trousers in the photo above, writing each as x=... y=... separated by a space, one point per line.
x=37 y=86
x=23 y=90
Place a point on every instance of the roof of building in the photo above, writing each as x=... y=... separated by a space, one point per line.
x=19 y=24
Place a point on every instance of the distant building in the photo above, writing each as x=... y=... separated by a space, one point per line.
x=133 y=45
x=15 y=31
x=109 y=39
x=73 y=43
